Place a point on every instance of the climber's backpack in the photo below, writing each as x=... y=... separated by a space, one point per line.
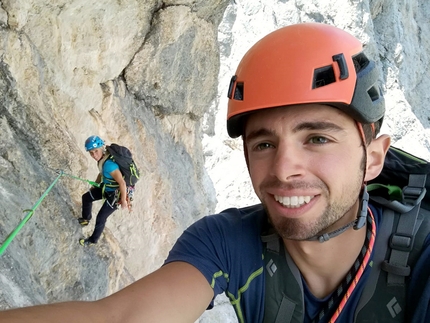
x=123 y=157
x=403 y=189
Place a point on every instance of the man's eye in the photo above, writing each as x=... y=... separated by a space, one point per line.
x=263 y=146
x=318 y=140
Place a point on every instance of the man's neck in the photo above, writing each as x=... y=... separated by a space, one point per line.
x=324 y=265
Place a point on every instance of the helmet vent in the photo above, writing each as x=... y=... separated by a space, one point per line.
x=230 y=87
x=373 y=93
x=360 y=61
x=323 y=76
x=238 y=92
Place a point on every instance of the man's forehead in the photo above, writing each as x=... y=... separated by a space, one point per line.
x=298 y=114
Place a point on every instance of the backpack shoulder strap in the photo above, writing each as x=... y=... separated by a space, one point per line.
x=102 y=161
x=402 y=239
x=381 y=299
x=283 y=289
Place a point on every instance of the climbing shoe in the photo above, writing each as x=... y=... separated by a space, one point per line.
x=83 y=222
x=85 y=242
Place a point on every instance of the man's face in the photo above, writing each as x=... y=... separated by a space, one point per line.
x=96 y=153
x=305 y=164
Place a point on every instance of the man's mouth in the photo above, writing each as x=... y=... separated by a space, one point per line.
x=293 y=201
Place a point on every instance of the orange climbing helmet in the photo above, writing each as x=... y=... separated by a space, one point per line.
x=305 y=63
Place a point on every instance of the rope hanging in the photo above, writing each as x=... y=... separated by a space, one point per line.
x=30 y=213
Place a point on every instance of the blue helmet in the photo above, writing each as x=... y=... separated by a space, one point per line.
x=93 y=142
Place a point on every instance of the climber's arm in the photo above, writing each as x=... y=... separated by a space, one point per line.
x=117 y=176
x=99 y=178
x=177 y=292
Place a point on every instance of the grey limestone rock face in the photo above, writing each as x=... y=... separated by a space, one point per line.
x=70 y=70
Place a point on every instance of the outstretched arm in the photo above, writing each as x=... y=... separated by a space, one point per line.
x=117 y=176
x=177 y=292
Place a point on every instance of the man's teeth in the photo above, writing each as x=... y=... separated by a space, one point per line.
x=293 y=201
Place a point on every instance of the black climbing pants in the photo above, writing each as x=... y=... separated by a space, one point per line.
x=108 y=207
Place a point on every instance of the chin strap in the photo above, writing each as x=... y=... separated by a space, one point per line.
x=357 y=223
x=327 y=236
x=362 y=215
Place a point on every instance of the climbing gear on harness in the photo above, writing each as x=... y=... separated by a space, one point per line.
x=326 y=66
x=130 y=194
x=93 y=142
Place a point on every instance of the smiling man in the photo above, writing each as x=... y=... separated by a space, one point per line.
x=299 y=168
x=306 y=101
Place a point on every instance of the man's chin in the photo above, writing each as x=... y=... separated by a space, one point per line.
x=294 y=229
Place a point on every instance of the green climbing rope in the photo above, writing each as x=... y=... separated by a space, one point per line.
x=31 y=211
x=82 y=179
x=27 y=217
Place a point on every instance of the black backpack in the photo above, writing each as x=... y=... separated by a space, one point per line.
x=123 y=157
x=403 y=188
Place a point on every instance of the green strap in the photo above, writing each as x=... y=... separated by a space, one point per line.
x=394 y=192
x=82 y=179
x=27 y=217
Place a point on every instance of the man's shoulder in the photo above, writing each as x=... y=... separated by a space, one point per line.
x=251 y=215
x=232 y=225
x=251 y=211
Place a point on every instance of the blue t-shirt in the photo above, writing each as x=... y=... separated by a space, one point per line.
x=228 y=251
x=108 y=167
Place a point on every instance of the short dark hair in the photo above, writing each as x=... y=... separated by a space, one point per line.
x=371 y=130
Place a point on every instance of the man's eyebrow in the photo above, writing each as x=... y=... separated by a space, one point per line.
x=318 y=125
x=258 y=133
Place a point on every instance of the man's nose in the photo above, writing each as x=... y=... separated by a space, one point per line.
x=289 y=163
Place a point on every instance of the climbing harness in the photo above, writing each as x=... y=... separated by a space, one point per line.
x=130 y=194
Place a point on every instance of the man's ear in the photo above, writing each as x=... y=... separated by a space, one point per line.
x=376 y=152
